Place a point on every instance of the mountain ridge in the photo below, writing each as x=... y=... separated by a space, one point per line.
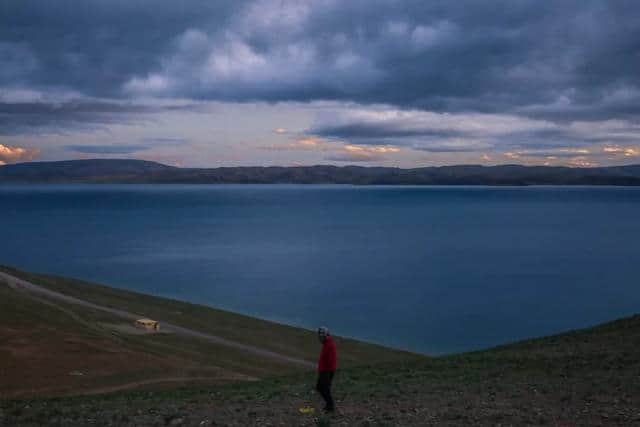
x=113 y=171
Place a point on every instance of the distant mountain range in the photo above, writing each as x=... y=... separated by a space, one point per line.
x=140 y=171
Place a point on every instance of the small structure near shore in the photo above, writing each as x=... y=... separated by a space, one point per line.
x=148 y=324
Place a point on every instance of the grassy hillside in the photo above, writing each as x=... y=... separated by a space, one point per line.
x=581 y=378
x=34 y=333
x=585 y=377
x=51 y=349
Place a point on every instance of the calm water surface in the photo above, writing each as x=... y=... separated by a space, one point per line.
x=431 y=269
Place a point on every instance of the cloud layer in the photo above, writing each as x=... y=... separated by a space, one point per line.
x=430 y=76
x=571 y=59
x=107 y=149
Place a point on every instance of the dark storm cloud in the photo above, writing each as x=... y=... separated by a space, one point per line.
x=93 y=46
x=544 y=139
x=467 y=132
x=566 y=137
x=378 y=131
x=431 y=148
x=106 y=149
x=574 y=59
x=47 y=117
x=69 y=108
x=353 y=157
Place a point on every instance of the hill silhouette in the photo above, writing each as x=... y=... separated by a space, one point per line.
x=140 y=171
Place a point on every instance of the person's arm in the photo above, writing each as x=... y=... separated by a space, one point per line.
x=322 y=361
x=332 y=358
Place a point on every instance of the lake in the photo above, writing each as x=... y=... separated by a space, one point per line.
x=429 y=269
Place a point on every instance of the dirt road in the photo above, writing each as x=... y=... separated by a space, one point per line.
x=40 y=292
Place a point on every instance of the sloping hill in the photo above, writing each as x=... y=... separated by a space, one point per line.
x=138 y=171
x=70 y=171
x=51 y=345
x=588 y=377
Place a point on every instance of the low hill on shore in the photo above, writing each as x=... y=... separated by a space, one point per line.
x=139 y=171
x=65 y=337
x=585 y=377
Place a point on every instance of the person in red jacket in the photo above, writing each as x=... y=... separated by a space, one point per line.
x=327 y=365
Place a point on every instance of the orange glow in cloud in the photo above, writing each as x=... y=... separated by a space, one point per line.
x=612 y=149
x=580 y=159
x=511 y=155
x=626 y=151
x=338 y=148
x=304 y=143
x=581 y=162
x=308 y=142
x=280 y=131
x=575 y=150
x=374 y=149
x=14 y=154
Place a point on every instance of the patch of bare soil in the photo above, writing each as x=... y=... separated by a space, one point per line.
x=47 y=361
x=170 y=382
x=584 y=378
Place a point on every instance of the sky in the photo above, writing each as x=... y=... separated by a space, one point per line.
x=285 y=82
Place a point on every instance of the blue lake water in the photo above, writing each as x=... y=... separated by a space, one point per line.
x=430 y=269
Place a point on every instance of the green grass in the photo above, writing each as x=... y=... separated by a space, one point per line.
x=18 y=311
x=291 y=341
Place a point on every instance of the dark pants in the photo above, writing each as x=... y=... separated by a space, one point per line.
x=324 y=388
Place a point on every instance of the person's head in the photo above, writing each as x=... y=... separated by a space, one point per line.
x=323 y=333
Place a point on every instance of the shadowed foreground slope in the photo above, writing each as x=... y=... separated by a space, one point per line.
x=587 y=377
x=64 y=336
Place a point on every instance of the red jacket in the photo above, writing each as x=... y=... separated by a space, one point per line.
x=328 y=361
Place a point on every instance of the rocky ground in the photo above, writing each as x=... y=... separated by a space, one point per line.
x=580 y=378
x=589 y=377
